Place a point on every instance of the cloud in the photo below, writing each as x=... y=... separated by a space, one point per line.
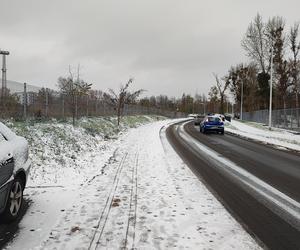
x=169 y=46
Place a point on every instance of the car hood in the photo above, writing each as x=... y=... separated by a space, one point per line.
x=15 y=146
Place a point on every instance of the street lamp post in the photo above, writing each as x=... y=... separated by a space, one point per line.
x=3 y=92
x=203 y=103
x=242 y=93
x=271 y=92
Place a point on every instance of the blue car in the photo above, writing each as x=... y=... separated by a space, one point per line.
x=212 y=123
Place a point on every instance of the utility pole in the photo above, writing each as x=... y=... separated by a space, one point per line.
x=87 y=105
x=203 y=103
x=193 y=107
x=242 y=93
x=47 y=103
x=25 y=101
x=96 y=105
x=76 y=107
x=63 y=106
x=4 y=85
x=271 y=86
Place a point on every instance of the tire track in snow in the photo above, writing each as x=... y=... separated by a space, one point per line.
x=133 y=204
x=106 y=210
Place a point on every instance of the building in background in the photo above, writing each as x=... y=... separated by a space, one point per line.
x=17 y=88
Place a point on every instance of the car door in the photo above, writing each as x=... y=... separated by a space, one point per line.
x=6 y=168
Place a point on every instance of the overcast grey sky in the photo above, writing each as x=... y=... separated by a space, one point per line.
x=169 y=47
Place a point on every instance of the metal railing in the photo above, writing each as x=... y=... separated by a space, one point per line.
x=34 y=104
x=281 y=118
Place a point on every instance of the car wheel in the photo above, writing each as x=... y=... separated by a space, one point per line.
x=14 y=201
x=222 y=132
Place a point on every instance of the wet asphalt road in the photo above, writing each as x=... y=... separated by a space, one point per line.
x=280 y=169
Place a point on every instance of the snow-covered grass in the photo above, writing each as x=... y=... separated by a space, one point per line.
x=61 y=153
x=281 y=138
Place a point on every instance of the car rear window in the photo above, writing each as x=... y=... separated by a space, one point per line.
x=213 y=119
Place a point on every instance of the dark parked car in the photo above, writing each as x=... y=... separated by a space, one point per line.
x=212 y=124
x=228 y=117
x=14 y=168
x=197 y=120
x=236 y=116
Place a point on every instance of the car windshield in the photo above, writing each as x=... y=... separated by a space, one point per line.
x=213 y=119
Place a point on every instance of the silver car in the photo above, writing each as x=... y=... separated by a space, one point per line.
x=14 y=169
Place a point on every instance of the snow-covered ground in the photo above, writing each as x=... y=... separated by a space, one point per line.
x=63 y=158
x=63 y=155
x=283 y=139
x=130 y=192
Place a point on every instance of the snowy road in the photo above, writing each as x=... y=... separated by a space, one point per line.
x=259 y=184
x=142 y=197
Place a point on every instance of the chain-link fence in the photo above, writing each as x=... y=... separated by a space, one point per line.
x=281 y=118
x=44 y=103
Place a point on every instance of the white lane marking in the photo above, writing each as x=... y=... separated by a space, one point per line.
x=275 y=196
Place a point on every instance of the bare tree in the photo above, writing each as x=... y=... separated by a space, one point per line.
x=124 y=96
x=275 y=27
x=73 y=88
x=214 y=100
x=222 y=86
x=40 y=105
x=256 y=44
x=294 y=45
x=246 y=76
x=10 y=104
x=96 y=96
